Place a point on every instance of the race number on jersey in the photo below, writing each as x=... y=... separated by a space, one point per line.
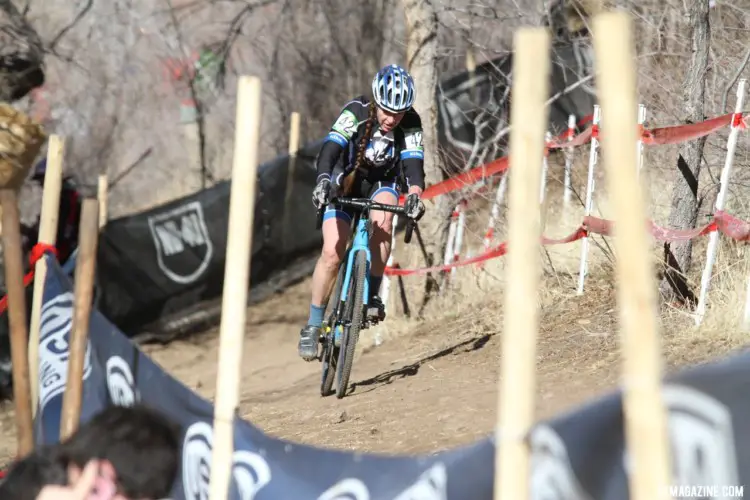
x=413 y=139
x=413 y=145
x=346 y=124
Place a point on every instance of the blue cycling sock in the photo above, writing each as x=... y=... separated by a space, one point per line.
x=375 y=282
x=316 y=315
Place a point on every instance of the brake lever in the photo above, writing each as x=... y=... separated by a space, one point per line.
x=410 y=223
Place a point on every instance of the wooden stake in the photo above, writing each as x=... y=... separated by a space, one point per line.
x=645 y=418
x=236 y=277
x=47 y=235
x=293 y=148
x=102 y=191
x=531 y=67
x=13 y=261
x=79 y=335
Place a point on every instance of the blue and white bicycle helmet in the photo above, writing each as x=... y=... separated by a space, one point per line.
x=393 y=89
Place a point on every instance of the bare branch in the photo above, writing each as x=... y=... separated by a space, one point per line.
x=66 y=29
x=206 y=173
x=733 y=80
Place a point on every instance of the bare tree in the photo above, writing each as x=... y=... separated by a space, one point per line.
x=422 y=56
x=319 y=57
x=685 y=205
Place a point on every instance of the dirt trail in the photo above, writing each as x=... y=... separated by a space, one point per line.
x=431 y=388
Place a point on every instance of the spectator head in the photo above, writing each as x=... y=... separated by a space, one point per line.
x=40 y=170
x=137 y=447
x=37 y=173
x=27 y=477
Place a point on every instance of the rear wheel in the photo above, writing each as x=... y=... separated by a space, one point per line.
x=353 y=312
x=330 y=351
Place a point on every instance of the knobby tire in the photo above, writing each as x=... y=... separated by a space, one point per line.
x=329 y=374
x=353 y=311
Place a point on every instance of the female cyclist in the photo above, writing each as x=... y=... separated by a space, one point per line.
x=383 y=155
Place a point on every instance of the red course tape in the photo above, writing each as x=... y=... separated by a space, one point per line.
x=727 y=224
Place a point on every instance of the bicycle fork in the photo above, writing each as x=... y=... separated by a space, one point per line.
x=334 y=333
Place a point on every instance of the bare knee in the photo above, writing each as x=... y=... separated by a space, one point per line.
x=330 y=257
x=383 y=221
x=334 y=243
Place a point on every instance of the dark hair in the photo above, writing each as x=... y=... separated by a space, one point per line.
x=141 y=444
x=26 y=478
x=349 y=180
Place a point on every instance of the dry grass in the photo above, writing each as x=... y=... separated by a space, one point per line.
x=474 y=293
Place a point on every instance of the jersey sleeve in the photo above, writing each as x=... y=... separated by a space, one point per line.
x=337 y=140
x=412 y=155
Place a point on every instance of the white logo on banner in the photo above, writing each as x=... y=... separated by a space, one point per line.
x=346 y=489
x=583 y=52
x=121 y=382
x=702 y=441
x=453 y=102
x=700 y=429
x=431 y=485
x=174 y=232
x=249 y=470
x=54 y=347
x=552 y=476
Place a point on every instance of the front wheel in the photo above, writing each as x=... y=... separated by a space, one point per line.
x=330 y=351
x=353 y=312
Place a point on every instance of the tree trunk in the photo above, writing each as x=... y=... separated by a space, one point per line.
x=421 y=53
x=394 y=31
x=684 y=213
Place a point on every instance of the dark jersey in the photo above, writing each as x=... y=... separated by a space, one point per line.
x=387 y=155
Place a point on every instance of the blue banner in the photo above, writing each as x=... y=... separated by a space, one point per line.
x=578 y=456
x=117 y=372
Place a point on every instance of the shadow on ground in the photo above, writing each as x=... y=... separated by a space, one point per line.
x=412 y=369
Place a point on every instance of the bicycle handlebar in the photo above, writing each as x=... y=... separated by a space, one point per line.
x=369 y=204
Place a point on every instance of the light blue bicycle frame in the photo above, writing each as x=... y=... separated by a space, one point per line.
x=361 y=242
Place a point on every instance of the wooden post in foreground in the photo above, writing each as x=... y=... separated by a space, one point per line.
x=20 y=142
x=47 y=235
x=531 y=67
x=293 y=148
x=102 y=191
x=645 y=417
x=79 y=333
x=236 y=278
x=13 y=261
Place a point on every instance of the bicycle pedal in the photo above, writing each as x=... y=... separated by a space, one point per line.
x=375 y=314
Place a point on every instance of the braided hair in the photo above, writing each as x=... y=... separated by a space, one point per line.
x=364 y=141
